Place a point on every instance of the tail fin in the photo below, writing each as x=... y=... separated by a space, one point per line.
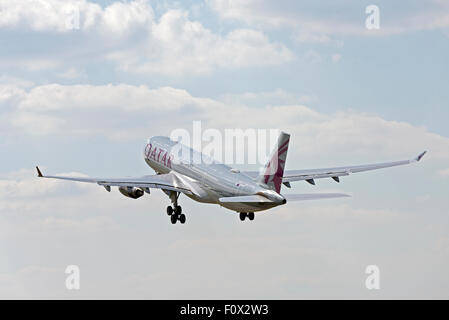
x=274 y=169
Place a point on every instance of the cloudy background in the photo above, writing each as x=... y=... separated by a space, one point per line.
x=84 y=98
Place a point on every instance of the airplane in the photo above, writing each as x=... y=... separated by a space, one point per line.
x=244 y=192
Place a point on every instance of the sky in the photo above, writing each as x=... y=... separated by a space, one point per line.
x=81 y=96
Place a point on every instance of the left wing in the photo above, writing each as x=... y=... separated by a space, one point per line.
x=167 y=181
x=310 y=175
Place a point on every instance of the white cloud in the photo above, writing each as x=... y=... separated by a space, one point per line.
x=179 y=46
x=24 y=184
x=55 y=97
x=10 y=91
x=314 y=23
x=120 y=17
x=14 y=82
x=66 y=16
x=72 y=73
x=127 y=34
x=35 y=123
x=80 y=109
x=275 y=97
x=306 y=27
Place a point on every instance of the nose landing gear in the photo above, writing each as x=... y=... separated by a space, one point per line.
x=244 y=215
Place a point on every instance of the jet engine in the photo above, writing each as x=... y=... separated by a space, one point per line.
x=131 y=192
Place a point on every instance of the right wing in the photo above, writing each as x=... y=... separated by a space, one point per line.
x=167 y=181
x=310 y=175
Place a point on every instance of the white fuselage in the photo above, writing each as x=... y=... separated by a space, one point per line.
x=209 y=179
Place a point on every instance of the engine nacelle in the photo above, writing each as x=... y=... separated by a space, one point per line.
x=131 y=192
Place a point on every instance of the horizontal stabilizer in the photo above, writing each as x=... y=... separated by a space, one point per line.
x=247 y=199
x=314 y=196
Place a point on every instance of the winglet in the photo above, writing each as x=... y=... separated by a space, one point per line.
x=420 y=156
x=39 y=173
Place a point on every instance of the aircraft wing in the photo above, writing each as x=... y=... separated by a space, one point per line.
x=167 y=181
x=310 y=175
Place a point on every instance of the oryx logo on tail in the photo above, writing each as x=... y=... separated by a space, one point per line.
x=274 y=169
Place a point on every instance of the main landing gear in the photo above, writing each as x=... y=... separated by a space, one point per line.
x=175 y=211
x=176 y=214
x=244 y=215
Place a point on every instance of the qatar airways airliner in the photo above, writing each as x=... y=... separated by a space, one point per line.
x=244 y=192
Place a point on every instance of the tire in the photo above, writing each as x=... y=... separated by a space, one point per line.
x=169 y=210
x=251 y=216
x=178 y=210
x=173 y=219
x=182 y=218
x=242 y=216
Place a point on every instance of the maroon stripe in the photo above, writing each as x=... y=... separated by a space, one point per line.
x=282 y=151
x=284 y=144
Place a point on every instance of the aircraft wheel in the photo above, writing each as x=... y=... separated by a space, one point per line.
x=251 y=216
x=169 y=210
x=182 y=218
x=178 y=210
x=174 y=218
x=242 y=216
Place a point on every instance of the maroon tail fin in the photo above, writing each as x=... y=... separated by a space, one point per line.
x=274 y=169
